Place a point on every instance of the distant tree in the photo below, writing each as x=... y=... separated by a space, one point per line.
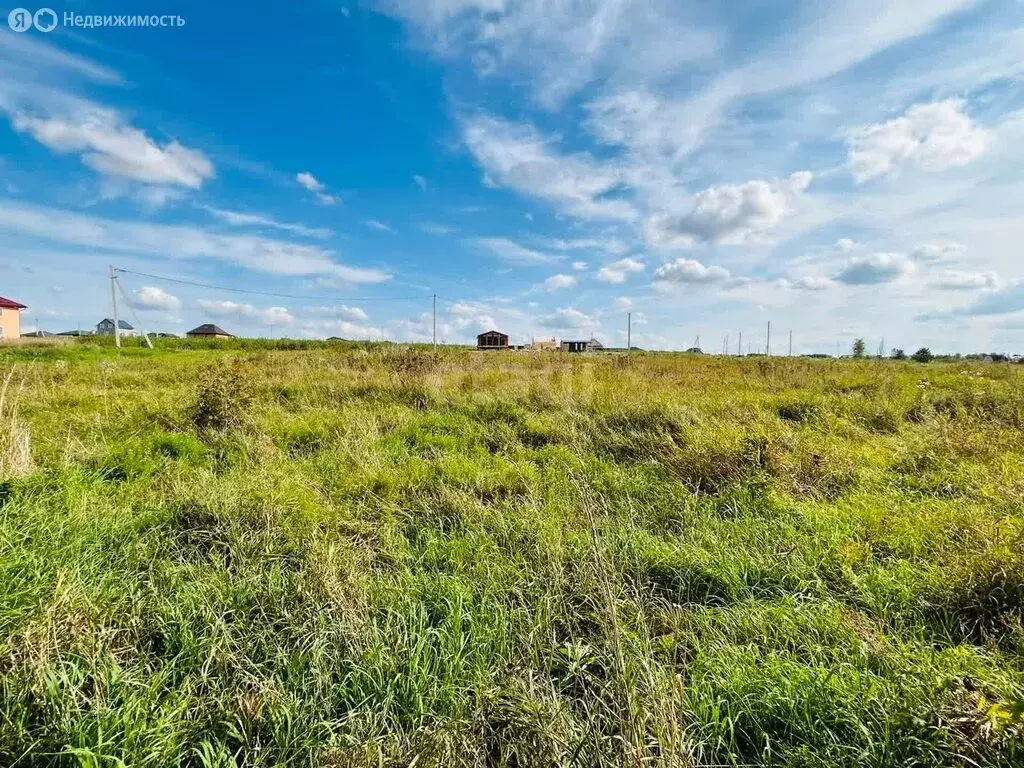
x=923 y=355
x=858 y=347
x=898 y=354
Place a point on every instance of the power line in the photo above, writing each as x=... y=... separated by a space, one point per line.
x=420 y=297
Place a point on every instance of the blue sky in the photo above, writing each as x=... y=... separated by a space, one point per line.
x=840 y=169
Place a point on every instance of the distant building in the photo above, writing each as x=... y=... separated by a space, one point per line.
x=492 y=340
x=543 y=344
x=78 y=332
x=209 y=331
x=105 y=327
x=10 y=319
x=38 y=335
x=589 y=345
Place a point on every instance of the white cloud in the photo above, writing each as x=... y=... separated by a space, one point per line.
x=256 y=252
x=956 y=280
x=431 y=228
x=559 y=47
x=730 y=213
x=579 y=266
x=811 y=283
x=240 y=219
x=380 y=226
x=617 y=272
x=688 y=271
x=929 y=137
x=623 y=302
x=556 y=282
x=309 y=181
x=512 y=252
x=341 y=310
x=224 y=308
x=110 y=147
x=517 y=156
x=875 y=268
x=151 y=297
x=612 y=245
x=937 y=252
x=845 y=245
x=467 y=314
x=312 y=184
x=420 y=181
x=567 y=318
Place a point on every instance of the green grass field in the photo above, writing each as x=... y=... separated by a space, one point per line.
x=375 y=556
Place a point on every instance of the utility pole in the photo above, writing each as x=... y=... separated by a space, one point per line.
x=768 y=342
x=739 y=346
x=629 y=332
x=791 y=343
x=138 y=320
x=113 y=301
x=435 y=322
x=725 y=345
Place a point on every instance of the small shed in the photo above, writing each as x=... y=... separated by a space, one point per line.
x=209 y=331
x=492 y=340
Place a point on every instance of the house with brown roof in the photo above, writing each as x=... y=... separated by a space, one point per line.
x=10 y=319
x=208 y=331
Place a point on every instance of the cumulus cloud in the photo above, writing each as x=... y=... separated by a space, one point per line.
x=579 y=266
x=688 y=271
x=956 y=280
x=556 y=282
x=623 y=302
x=617 y=272
x=341 y=310
x=936 y=252
x=874 y=269
x=223 y=308
x=312 y=184
x=929 y=137
x=153 y=298
x=845 y=245
x=730 y=213
x=512 y=252
x=469 y=314
x=110 y=147
x=1007 y=300
x=811 y=283
x=517 y=156
x=567 y=318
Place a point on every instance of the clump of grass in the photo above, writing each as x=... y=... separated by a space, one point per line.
x=15 y=434
x=222 y=397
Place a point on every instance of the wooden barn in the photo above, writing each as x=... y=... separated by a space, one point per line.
x=492 y=340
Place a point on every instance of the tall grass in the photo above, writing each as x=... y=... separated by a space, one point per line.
x=357 y=555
